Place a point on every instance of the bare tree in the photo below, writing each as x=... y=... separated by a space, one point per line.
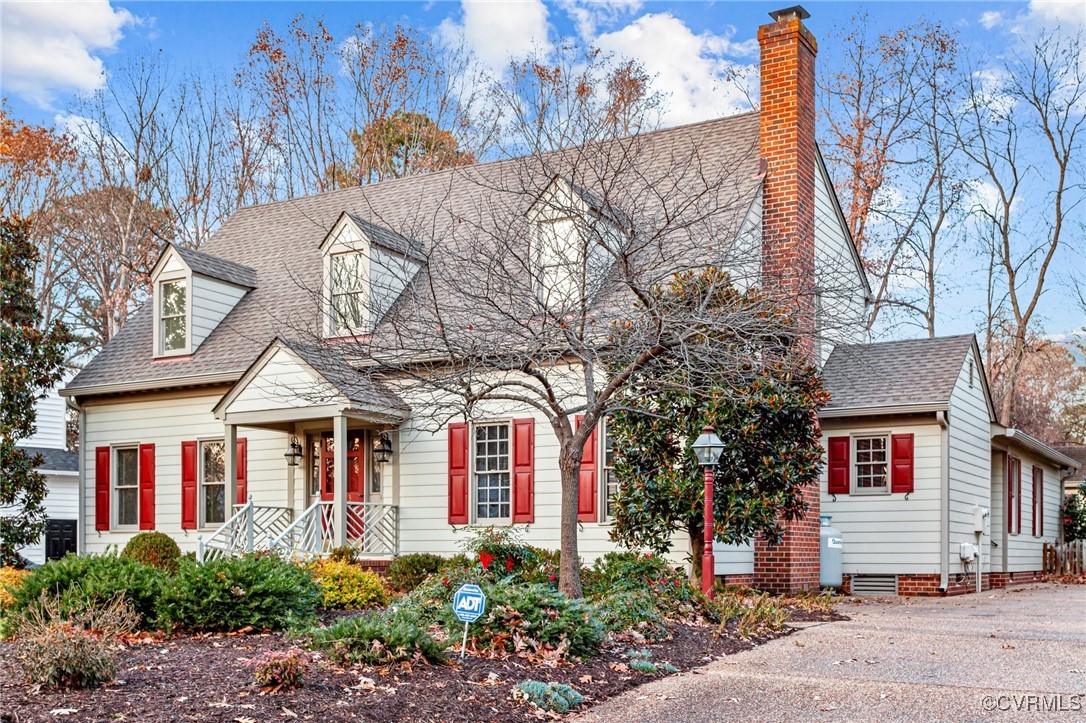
x=1023 y=132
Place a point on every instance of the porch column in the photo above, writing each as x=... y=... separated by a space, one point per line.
x=339 y=479
x=230 y=442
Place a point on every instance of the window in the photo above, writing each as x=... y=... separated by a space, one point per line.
x=871 y=464
x=1014 y=495
x=126 y=485
x=1038 y=502
x=610 y=481
x=172 y=329
x=493 y=478
x=212 y=483
x=560 y=263
x=348 y=285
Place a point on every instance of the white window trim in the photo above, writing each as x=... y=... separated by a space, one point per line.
x=159 y=342
x=114 y=498
x=331 y=325
x=854 y=477
x=200 y=507
x=601 y=455
x=474 y=490
x=1014 y=518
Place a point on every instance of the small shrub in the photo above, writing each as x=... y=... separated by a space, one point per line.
x=81 y=583
x=280 y=670
x=754 y=614
x=71 y=653
x=634 y=612
x=156 y=549
x=344 y=553
x=377 y=638
x=259 y=592
x=552 y=697
x=348 y=587
x=540 y=566
x=11 y=580
x=668 y=587
x=499 y=550
x=408 y=571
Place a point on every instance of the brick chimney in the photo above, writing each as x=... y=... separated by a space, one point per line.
x=787 y=142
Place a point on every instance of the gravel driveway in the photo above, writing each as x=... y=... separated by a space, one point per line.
x=1015 y=654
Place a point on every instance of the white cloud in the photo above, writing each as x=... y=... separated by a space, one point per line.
x=500 y=31
x=52 y=47
x=692 y=69
x=588 y=15
x=991 y=18
x=1067 y=13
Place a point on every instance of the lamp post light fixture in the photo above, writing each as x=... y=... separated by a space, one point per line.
x=708 y=447
x=382 y=449
x=294 y=452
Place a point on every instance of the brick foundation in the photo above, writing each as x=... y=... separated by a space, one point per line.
x=737 y=580
x=380 y=566
x=787 y=147
x=928 y=585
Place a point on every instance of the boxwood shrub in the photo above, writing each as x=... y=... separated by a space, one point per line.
x=156 y=549
x=377 y=638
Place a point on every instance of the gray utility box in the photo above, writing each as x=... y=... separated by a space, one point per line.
x=831 y=546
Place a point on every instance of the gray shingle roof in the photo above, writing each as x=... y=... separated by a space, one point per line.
x=1076 y=452
x=217 y=268
x=57 y=460
x=337 y=371
x=280 y=242
x=389 y=239
x=891 y=373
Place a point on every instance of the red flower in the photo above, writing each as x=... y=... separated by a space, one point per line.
x=486 y=558
x=508 y=564
x=444 y=581
x=676 y=583
x=552 y=577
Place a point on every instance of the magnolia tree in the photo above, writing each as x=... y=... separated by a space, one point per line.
x=545 y=282
x=764 y=412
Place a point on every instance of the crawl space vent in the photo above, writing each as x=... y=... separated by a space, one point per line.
x=874 y=585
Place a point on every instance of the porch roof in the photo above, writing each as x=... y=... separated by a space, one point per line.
x=290 y=381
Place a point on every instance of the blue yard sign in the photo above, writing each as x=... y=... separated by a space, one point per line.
x=469 y=602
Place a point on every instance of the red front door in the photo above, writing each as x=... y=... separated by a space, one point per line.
x=356 y=477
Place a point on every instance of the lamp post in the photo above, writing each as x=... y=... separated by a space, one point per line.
x=708 y=447
x=294 y=452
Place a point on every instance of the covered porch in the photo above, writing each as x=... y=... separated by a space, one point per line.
x=338 y=477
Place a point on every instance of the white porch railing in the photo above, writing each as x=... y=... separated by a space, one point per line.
x=244 y=532
x=372 y=529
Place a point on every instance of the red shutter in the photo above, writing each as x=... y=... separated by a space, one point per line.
x=1018 y=496
x=838 y=465
x=458 y=473
x=101 y=488
x=1038 y=502
x=901 y=463
x=147 y=486
x=524 y=470
x=188 y=486
x=1014 y=505
x=587 y=484
x=242 y=461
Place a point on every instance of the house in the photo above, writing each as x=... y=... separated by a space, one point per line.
x=232 y=411
x=61 y=470
x=1077 y=452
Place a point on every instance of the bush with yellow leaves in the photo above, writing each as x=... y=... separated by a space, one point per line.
x=345 y=586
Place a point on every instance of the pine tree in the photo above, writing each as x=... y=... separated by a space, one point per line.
x=32 y=362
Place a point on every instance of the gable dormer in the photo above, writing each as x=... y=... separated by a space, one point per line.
x=192 y=293
x=573 y=243
x=365 y=269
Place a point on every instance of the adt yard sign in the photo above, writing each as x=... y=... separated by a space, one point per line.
x=469 y=602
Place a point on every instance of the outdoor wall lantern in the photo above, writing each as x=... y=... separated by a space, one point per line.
x=708 y=447
x=293 y=453
x=382 y=449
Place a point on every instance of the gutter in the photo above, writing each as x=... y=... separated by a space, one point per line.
x=884 y=409
x=944 y=502
x=1035 y=445
x=152 y=385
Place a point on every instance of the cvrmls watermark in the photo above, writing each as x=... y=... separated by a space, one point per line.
x=1034 y=703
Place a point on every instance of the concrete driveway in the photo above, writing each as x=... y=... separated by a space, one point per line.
x=1016 y=654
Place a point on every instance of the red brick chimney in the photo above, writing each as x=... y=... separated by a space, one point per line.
x=788 y=252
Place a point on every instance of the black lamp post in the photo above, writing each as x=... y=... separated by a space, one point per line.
x=293 y=453
x=708 y=447
x=382 y=449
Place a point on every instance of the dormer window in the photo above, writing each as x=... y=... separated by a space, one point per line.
x=561 y=263
x=173 y=330
x=348 y=289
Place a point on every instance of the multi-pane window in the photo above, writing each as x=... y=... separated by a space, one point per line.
x=126 y=485
x=172 y=330
x=610 y=481
x=1014 y=495
x=348 y=293
x=493 y=480
x=213 y=483
x=1038 y=502
x=871 y=463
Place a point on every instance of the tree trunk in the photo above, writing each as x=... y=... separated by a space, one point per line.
x=697 y=549
x=569 y=569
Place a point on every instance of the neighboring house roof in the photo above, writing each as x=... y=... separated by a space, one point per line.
x=895 y=373
x=1076 y=452
x=280 y=242
x=217 y=268
x=54 y=460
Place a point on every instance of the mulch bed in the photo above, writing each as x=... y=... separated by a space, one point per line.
x=206 y=679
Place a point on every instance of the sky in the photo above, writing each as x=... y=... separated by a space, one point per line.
x=54 y=51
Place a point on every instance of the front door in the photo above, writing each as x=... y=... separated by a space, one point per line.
x=59 y=538
x=324 y=468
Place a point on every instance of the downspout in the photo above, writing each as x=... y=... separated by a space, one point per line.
x=81 y=491
x=944 y=502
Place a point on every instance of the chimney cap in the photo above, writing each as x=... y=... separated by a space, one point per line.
x=796 y=11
